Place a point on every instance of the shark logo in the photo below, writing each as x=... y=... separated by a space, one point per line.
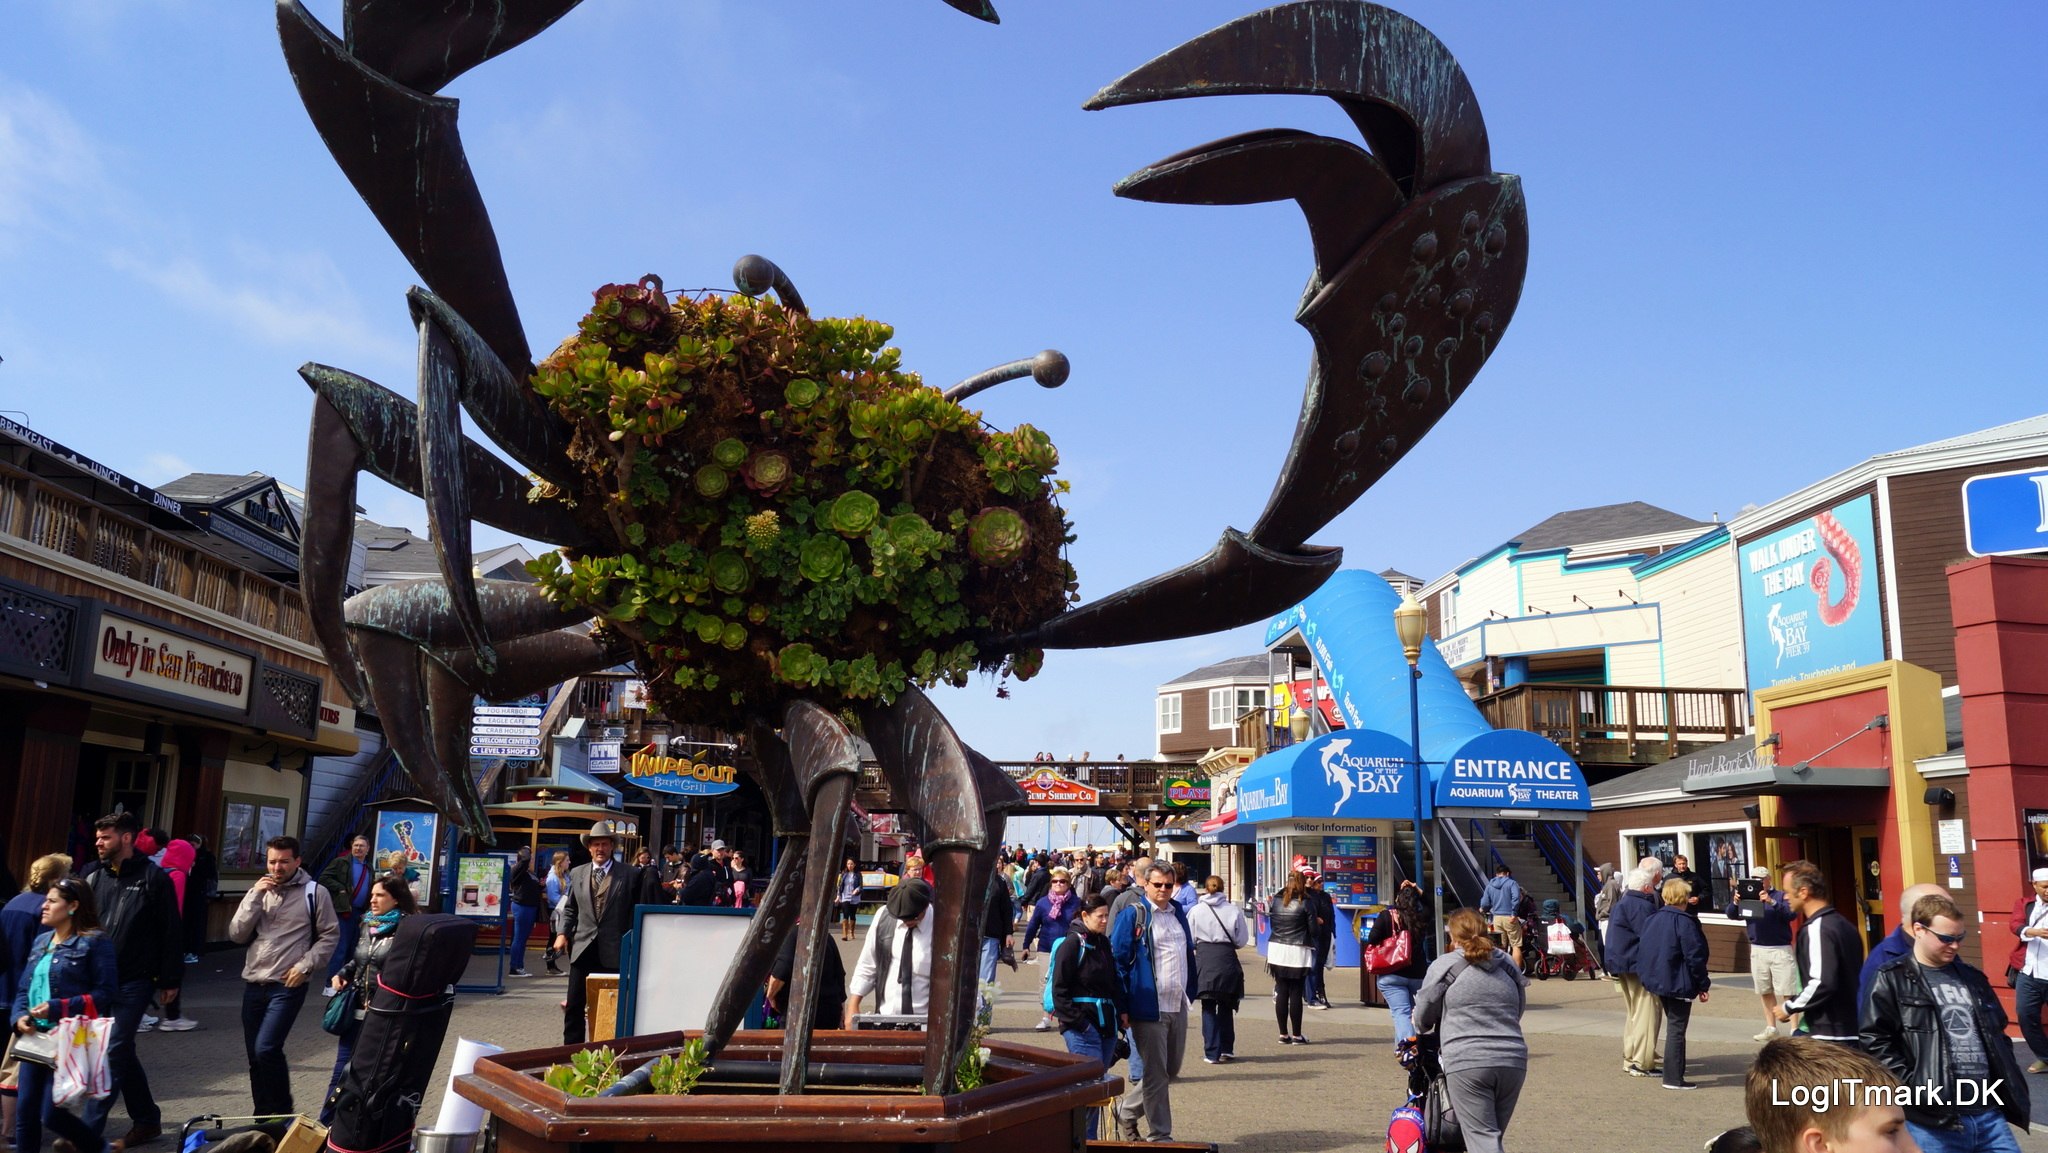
x=1334 y=773
x=1518 y=794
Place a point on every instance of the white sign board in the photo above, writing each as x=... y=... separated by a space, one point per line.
x=667 y=997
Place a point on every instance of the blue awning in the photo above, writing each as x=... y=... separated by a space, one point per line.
x=1512 y=769
x=1351 y=774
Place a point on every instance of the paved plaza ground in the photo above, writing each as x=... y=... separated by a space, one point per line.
x=1333 y=1094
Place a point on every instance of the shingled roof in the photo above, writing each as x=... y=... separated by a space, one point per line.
x=1605 y=522
x=1251 y=667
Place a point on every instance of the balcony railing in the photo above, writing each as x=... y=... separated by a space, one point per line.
x=1616 y=723
x=43 y=514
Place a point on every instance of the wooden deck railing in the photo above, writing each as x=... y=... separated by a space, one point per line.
x=43 y=514
x=1638 y=724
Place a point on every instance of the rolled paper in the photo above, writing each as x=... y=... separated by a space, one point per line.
x=458 y=1115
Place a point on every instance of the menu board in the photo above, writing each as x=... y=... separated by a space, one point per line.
x=1351 y=870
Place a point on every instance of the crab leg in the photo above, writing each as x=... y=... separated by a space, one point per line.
x=776 y=915
x=360 y=426
x=961 y=796
x=827 y=765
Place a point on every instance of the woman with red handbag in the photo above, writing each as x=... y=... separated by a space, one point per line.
x=1398 y=984
x=70 y=970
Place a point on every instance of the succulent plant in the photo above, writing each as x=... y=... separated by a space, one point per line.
x=802 y=392
x=997 y=537
x=823 y=558
x=711 y=481
x=799 y=664
x=729 y=453
x=636 y=308
x=729 y=572
x=854 y=513
x=767 y=471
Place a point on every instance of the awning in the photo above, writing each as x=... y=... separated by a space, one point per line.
x=1514 y=773
x=1351 y=774
x=1765 y=778
x=1225 y=830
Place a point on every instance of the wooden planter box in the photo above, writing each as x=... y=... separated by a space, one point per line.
x=1036 y=1101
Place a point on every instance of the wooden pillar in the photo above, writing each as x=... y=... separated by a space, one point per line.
x=202 y=764
x=40 y=736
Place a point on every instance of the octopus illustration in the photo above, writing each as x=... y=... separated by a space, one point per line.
x=1419 y=254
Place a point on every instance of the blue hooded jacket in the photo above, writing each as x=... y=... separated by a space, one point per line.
x=1625 y=923
x=1133 y=955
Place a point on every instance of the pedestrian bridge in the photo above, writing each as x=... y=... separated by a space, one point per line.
x=1082 y=788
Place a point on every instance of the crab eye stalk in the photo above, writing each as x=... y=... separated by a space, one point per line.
x=1048 y=368
x=754 y=274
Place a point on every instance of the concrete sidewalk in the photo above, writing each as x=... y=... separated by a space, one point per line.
x=1335 y=1093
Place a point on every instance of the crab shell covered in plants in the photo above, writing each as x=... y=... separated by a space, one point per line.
x=1419 y=254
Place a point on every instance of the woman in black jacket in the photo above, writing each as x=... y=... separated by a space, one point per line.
x=1399 y=985
x=1290 y=952
x=391 y=898
x=1087 y=999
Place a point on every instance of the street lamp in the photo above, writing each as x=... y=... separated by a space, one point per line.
x=1298 y=724
x=1409 y=621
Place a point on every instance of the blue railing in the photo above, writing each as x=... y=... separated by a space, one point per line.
x=1554 y=841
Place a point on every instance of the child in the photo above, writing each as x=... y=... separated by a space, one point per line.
x=1808 y=1096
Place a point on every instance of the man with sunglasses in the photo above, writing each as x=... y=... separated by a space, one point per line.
x=1155 y=961
x=1934 y=1021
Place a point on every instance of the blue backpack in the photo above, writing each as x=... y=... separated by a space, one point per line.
x=1405 y=1131
x=1050 y=958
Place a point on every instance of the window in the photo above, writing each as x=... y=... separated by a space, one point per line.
x=1226 y=705
x=1447 y=611
x=1169 y=713
x=1717 y=855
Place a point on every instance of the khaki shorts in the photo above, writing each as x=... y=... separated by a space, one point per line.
x=1774 y=970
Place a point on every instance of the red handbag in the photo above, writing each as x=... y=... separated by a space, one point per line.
x=1393 y=953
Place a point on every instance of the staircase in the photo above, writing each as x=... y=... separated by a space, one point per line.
x=1531 y=871
x=1459 y=888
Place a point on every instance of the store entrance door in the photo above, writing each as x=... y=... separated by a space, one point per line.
x=1869 y=884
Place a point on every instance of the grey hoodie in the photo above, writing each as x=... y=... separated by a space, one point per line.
x=1477 y=1010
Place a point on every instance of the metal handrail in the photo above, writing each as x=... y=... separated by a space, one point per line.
x=1555 y=846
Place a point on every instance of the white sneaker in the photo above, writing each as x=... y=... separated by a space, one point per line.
x=329 y=991
x=177 y=1025
x=1766 y=1035
x=146 y=1025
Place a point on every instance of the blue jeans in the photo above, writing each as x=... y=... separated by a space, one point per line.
x=345 y=945
x=1219 y=1029
x=2028 y=994
x=1399 y=993
x=268 y=1011
x=991 y=949
x=1098 y=1044
x=523 y=917
x=131 y=1084
x=34 y=1111
x=1981 y=1133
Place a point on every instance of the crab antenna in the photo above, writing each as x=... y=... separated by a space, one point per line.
x=754 y=274
x=1048 y=368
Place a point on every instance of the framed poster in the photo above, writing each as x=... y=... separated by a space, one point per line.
x=480 y=883
x=2037 y=838
x=248 y=822
x=405 y=844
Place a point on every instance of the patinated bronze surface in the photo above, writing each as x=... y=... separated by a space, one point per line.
x=1420 y=251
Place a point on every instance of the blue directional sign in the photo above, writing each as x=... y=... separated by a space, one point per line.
x=2006 y=513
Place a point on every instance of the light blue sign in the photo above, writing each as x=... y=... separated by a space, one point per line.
x=1512 y=769
x=1351 y=774
x=2005 y=513
x=1810 y=597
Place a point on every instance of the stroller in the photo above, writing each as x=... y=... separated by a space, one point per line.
x=1553 y=945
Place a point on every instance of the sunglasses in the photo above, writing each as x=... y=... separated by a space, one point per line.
x=1944 y=938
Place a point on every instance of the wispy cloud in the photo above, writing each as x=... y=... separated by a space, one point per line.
x=159 y=467
x=48 y=164
x=295 y=300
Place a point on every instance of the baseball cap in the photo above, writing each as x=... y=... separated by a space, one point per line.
x=718 y=844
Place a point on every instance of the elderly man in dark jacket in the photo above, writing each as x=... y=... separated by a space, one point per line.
x=1625 y=925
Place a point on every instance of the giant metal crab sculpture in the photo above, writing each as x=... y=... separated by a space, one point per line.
x=1419 y=248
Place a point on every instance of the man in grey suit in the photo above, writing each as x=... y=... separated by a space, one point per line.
x=602 y=893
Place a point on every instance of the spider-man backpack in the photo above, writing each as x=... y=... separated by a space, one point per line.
x=1404 y=1131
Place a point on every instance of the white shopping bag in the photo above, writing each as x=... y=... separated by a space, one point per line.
x=82 y=1060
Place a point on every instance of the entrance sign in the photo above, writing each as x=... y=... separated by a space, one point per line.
x=1810 y=597
x=1509 y=769
x=2006 y=513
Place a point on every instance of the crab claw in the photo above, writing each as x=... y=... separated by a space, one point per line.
x=1239 y=582
x=1420 y=250
x=979 y=9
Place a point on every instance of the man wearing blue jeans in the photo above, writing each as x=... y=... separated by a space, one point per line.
x=139 y=910
x=287 y=921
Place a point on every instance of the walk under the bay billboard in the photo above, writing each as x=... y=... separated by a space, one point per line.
x=1810 y=597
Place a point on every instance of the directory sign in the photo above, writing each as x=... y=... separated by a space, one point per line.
x=1810 y=597
x=1350 y=868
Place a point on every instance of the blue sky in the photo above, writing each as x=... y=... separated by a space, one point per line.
x=1767 y=244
